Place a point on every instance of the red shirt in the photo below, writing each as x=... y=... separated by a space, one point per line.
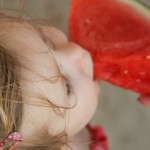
x=98 y=137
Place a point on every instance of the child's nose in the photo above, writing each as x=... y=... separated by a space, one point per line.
x=78 y=58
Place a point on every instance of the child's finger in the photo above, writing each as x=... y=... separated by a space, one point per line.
x=145 y=100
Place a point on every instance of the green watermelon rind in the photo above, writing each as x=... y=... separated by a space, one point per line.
x=145 y=5
x=140 y=6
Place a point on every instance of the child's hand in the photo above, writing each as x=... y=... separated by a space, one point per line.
x=145 y=100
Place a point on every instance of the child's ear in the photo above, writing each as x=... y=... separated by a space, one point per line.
x=55 y=35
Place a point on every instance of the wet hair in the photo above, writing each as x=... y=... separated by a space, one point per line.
x=11 y=98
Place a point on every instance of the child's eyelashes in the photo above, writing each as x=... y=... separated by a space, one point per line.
x=68 y=84
x=69 y=88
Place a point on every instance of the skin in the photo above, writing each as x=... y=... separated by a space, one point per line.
x=69 y=59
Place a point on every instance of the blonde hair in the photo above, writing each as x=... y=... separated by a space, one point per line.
x=11 y=101
x=10 y=113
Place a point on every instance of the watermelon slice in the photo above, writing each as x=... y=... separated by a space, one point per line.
x=117 y=34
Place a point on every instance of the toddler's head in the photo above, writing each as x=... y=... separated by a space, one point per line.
x=47 y=92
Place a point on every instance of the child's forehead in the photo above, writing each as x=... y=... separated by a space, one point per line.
x=23 y=39
x=16 y=35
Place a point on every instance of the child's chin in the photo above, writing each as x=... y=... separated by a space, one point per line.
x=83 y=134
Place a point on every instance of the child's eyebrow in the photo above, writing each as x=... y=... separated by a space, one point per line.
x=48 y=41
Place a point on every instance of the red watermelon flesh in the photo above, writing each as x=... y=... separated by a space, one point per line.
x=118 y=37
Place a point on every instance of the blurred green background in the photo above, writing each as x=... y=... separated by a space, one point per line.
x=126 y=122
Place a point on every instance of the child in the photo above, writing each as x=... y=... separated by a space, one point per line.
x=47 y=92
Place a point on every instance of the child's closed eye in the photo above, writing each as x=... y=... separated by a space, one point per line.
x=68 y=84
